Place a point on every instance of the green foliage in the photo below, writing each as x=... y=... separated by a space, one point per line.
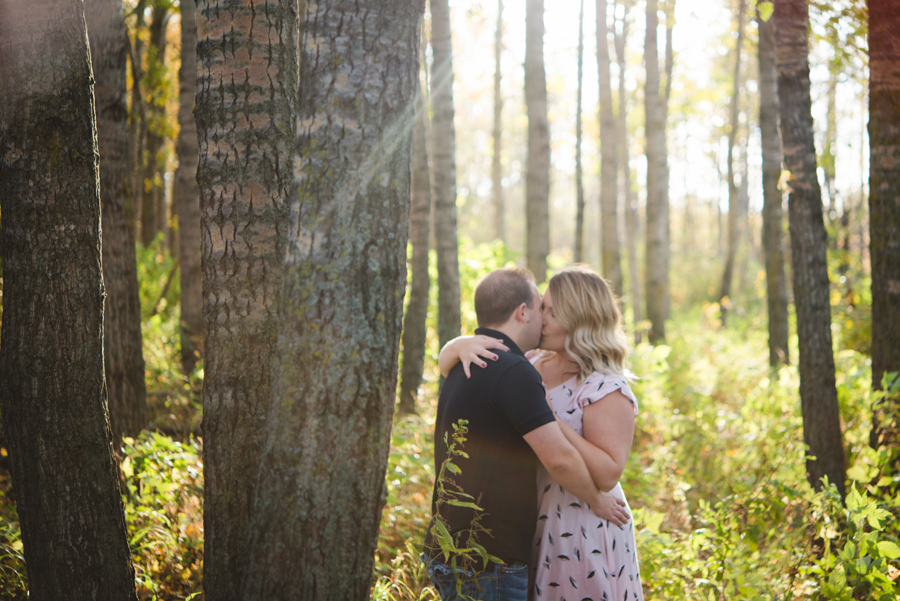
x=13 y=581
x=173 y=400
x=163 y=493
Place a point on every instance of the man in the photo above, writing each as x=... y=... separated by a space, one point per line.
x=510 y=427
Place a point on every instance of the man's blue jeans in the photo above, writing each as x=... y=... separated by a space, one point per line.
x=500 y=583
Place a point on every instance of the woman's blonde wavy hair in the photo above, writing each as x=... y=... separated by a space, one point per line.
x=586 y=308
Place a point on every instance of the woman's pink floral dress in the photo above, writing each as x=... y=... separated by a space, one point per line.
x=577 y=555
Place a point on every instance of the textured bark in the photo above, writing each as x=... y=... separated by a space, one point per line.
x=414 y=329
x=733 y=191
x=772 y=215
x=497 y=133
x=656 y=272
x=52 y=388
x=609 y=168
x=322 y=488
x=579 y=171
x=186 y=195
x=123 y=353
x=153 y=213
x=246 y=99
x=444 y=174
x=818 y=395
x=884 y=202
x=537 y=174
x=136 y=118
x=632 y=217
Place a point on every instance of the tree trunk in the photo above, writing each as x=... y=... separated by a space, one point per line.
x=314 y=534
x=52 y=387
x=414 y=330
x=153 y=216
x=444 y=175
x=818 y=395
x=772 y=217
x=579 y=172
x=123 y=353
x=246 y=98
x=609 y=169
x=136 y=119
x=632 y=217
x=497 y=134
x=186 y=196
x=657 y=238
x=733 y=192
x=537 y=178
x=884 y=205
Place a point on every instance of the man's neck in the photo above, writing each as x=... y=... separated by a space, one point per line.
x=511 y=332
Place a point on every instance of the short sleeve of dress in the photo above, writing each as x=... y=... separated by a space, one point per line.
x=521 y=397
x=598 y=385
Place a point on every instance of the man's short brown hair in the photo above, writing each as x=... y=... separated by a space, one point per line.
x=499 y=293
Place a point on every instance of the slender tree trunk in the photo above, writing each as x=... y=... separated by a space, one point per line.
x=772 y=216
x=123 y=353
x=733 y=192
x=314 y=534
x=609 y=198
x=186 y=196
x=414 y=329
x=657 y=237
x=444 y=174
x=537 y=178
x=246 y=98
x=884 y=207
x=579 y=171
x=52 y=387
x=632 y=216
x=497 y=133
x=137 y=116
x=818 y=395
x=152 y=209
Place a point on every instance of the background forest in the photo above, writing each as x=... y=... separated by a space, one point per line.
x=738 y=187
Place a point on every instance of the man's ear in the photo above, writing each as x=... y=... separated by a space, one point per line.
x=520 y=312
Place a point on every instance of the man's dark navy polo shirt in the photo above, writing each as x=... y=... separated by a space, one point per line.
x=502 y=403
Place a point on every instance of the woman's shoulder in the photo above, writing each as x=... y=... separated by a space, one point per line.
x=600 y=384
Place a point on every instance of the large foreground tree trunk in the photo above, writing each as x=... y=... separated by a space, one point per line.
x=818 y=395
x=609 y=168
x=444 y=174
x=123 y=352
x=322 y=488
x=772 y=215
x=537 y=175
x=52 y=389
x=656 y=272
x=246 y=101
x=414 y=322
x=884 y=204
x=186 y=196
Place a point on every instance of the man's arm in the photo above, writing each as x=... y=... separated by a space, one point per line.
x=567 y=467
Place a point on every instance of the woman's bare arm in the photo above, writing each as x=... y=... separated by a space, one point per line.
x=468 y=350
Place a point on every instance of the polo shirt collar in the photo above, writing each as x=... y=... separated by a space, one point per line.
x=513 y=347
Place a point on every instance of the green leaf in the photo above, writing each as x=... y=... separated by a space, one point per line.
x=465 y=504
x=766 y=9
x=453 y=468
x=888 y=549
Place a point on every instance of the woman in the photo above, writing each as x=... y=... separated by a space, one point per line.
x=581 y=361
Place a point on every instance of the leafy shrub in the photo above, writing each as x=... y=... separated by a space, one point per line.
x=163 y=496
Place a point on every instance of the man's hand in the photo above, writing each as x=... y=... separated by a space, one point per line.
x=611 y=508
